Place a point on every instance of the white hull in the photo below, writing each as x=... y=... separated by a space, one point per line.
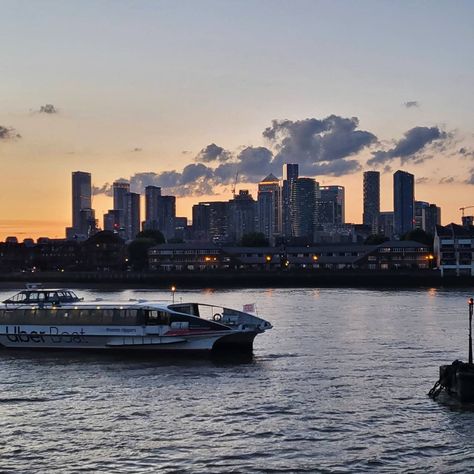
x=129 y=338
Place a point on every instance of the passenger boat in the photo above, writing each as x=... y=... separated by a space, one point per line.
x=59 y=319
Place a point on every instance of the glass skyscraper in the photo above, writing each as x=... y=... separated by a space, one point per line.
x=403 y=202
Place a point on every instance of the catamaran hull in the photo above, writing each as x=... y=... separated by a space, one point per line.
x=68 y=339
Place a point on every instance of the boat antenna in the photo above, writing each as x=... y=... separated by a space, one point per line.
x=471 y=305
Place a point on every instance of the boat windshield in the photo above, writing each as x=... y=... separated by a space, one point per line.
x=43 y=296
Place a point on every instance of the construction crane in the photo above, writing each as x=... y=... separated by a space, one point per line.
x=465 y=207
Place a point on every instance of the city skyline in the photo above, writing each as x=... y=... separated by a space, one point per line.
x=185 y=96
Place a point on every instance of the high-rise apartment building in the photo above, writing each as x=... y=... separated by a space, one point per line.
x=304 y=197
x=430 y=218
x=268 y=207
x=371 y=191
x=242 y=215
x=331 y=205
x=152 y=193
x=210 y=221
x=132 y=215
x=403 y=202
x=290 y=174
x=120 y=189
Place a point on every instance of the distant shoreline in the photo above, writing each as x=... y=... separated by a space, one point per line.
x=239 y=279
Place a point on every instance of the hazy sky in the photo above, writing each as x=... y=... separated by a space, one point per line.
x=140 y=89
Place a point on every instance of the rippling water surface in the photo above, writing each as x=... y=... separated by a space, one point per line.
x=339 y=385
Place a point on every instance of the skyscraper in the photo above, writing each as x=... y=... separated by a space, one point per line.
x=81 y=198
x=403 y=202
x=120 y=189
x=268 y=206
x=304 y=196
x=290 y=174
x=152 y=193
x=371 y=200
x=132 y=215
x=331 y=205
x=242 y=213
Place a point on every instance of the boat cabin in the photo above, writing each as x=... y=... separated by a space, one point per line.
x=36 y=297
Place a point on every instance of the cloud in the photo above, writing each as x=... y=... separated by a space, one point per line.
x=8 y=133
x=466 y=153
x=104 y=189
x=422 y=180
x=213 y=152
x=411 y=103
x=447 y=180
x=48 y=109
x=137 y=150
x=409 y=147
x=312 y=142
x=470 y=180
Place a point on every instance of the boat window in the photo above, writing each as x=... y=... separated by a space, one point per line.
x=158 y=317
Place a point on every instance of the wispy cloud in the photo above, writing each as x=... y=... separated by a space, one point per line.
x=411 y=104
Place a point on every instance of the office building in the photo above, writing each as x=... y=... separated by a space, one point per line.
x=112 y=221
x=371 y=194
x=81 y=199
x=210 y=221
x=403 y=202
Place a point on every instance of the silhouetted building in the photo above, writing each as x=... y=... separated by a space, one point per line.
x=210 y=221
x=431 y=217
x=112 y=220
x=268 y=207
x=290 y=174
x=331 y=205
x=304 y=196
x=81 y=200
x=160 y=211
x=242 y=215
x=386 y=224
x=120 y=190
x=104 y=251
x=132 y=215
x=371 y=200
x=152 y=193
x=403 y=202
x=418 y=213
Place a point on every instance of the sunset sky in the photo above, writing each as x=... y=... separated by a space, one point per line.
x=185 y=94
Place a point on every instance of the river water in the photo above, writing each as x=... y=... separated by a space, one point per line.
x=339 y=385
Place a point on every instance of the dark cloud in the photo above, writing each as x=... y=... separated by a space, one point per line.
x=466 y=153
x=408 y=148
x=213 y=152
x=137 y=150
x=411 y=103
x=470 y=180
x=447 y=180
x=253 y=162
x=8 y=133
x=312 y=142
x=48 y=109
x=104 y=189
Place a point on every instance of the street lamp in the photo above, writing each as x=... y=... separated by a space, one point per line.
x=173 y=290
